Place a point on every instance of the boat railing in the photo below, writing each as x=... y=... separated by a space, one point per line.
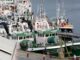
x=50 y=45
x=41 y=45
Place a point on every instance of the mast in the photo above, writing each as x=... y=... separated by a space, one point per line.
x=60 y=12
x=60 y=9
x=59 y=16
x=42 y=11
x=63 y=9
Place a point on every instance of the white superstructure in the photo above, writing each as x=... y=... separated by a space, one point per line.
x=6 y=1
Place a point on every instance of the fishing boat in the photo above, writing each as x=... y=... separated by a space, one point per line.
x=36 y=32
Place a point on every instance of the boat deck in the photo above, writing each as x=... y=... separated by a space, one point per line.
x=22 y=55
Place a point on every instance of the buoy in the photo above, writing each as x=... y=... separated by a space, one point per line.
x=74 y=57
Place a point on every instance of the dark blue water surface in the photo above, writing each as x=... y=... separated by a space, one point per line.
x=72 y=10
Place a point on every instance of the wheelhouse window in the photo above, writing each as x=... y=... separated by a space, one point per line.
x=66 y=30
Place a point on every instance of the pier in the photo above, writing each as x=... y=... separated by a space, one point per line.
x=6 y=48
